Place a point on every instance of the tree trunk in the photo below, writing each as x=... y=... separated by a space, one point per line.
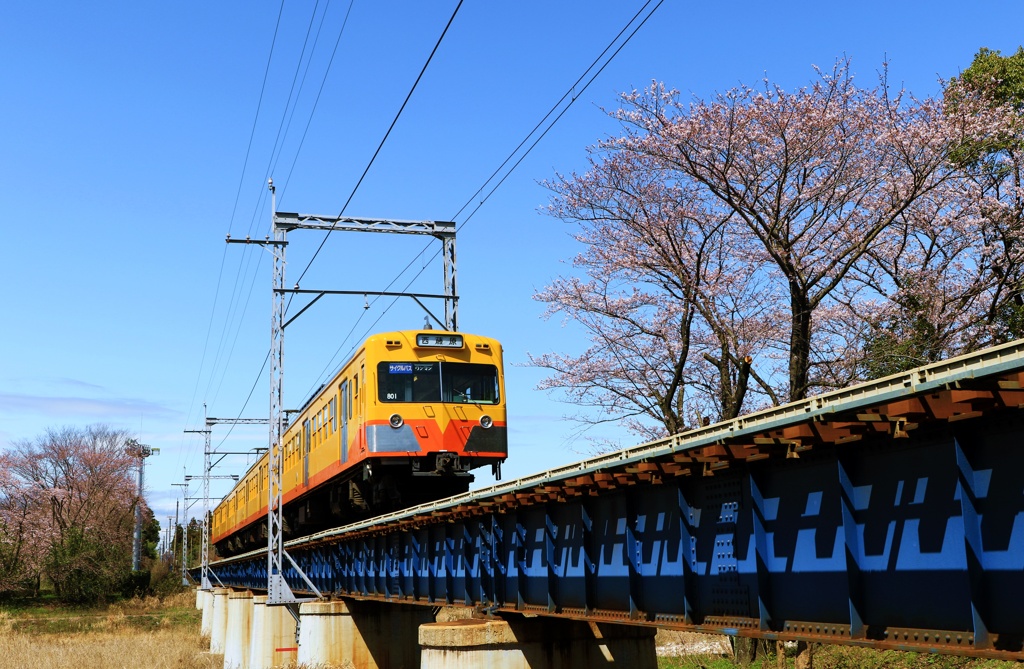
x=799 y=342
x=804 y=655
x=744 y=650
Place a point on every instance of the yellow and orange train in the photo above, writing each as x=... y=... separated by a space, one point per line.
x=404 y=422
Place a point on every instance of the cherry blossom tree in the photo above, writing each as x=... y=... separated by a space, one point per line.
x=672 y=313
x=25 y=529
x=814 y=176
x=770 y=241
x=993 y=88
x=70 y=495
x=948 y=276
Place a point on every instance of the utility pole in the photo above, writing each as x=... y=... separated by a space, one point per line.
x=207 y=477
x=190 y=501
x=140 y=451
x=278 y=590
x=184 y=532
x=174 y=537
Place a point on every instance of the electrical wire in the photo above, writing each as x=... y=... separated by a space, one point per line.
x=259 y=106
x=241 y=178
x=316 y=101
x=380 y=146
x=571 y=94
x=275 y=151
x=554 y=107
x=572 y=99
x=385 y=138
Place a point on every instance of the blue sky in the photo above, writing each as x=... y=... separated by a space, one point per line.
x=123 y=162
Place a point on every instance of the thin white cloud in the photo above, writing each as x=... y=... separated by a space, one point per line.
x=89 y=407
x=51 y=382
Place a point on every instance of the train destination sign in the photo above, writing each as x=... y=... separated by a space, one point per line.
x=428 y=340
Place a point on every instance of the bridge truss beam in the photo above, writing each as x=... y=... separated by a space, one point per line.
x=886 y=515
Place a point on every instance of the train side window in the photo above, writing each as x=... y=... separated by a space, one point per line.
x=333 y=415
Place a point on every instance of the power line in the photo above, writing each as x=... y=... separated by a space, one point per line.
x=316 y=101
x=238 y=192
x=572 y=94
x=370 y=164
x=572 y=99
x=385 y=138
x=259 y=106
x=249 y=397
x=277 y=143
x=569 y=92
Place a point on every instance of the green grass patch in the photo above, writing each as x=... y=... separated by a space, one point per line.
x=41 y=616
x=827 y=656
x=702 y=662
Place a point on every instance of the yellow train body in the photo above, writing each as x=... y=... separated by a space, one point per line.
x=404 y=422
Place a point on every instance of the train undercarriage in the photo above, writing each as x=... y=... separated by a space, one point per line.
x=378 y=486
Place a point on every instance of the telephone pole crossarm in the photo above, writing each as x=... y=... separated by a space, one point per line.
x=210 y=422
x=291 y=221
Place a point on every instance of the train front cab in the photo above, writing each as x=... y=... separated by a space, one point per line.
x=434 y=411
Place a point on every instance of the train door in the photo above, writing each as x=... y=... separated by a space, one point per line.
x=344 y=421
x=305 y=453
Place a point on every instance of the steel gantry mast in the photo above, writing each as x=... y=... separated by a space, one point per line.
x=278 y=590
x=208 y=464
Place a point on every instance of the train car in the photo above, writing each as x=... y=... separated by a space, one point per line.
x=405 y=421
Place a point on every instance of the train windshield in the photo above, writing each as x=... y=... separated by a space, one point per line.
x=459 y=382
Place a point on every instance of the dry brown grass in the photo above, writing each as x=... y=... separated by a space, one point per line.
x=162 y=649
x=150 y=633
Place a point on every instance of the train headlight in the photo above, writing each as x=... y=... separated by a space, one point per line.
x=485 y=421
x=396 y=421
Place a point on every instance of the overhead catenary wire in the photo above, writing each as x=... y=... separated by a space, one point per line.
x=316 y=101
x=259 y=106
x=569 y=92
x=379 y=147
x=572 y=95
x=369 y=165
x=238 y=192
x=386 y=135
x=292 y=101
x=275 y=153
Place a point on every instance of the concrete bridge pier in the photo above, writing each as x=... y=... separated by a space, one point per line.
x=199 y=599
x=236 y=640
x=206 y=600
x=272 y=640
x=368 y=635
x=219 y=624
x=535 y=643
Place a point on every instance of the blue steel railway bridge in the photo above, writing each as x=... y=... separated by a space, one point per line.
x=888 y=514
